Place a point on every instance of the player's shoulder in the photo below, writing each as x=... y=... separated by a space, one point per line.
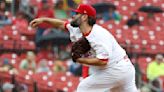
x=99 y=30
x=97 y=26
x=99 y=33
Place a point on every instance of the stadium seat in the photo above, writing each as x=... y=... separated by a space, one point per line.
x=160 y=48
x=41 y=78
x=136 y=48
x=26 y=45
x=151 y=49
x=159 y=35
x=5 y=77
x=8 y=44
x=9 y=55
x=15 y=36
x=27 y=31
x=45 y=89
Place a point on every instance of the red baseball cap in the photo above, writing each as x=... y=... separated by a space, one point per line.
x=86 y=9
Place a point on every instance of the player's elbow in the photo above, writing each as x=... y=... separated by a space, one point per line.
x=99 y=63
x=103 y=63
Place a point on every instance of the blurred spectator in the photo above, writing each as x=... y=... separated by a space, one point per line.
x=111 y=14
x=7 y=66
x=145 y=88
x=7 y=87
x=22 y=88
x=46 y=52
x=45 y=11
x=78 y=1
x=24 y=5
x=4 y=20
x=63 y=53
x=134 y=20
x=156 y=68
x=28 y=8
x=72 y=3
x=156 y=85
x=43 y=66
x=76 y=69
x=20 y=20
x=154 y=71
x=58 y=66
x=2 y=5
x=60 y=13
x=29 y=62
x=149 y=20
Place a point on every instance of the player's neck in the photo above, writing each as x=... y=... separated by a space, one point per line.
x=85 y=28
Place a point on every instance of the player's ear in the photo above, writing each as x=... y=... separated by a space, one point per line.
x=85 y=17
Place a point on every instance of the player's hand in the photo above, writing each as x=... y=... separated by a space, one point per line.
x=34 y=23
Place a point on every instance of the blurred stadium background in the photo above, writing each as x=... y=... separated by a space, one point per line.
x=38 y=60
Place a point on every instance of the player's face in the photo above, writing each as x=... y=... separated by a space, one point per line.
x=76 y=21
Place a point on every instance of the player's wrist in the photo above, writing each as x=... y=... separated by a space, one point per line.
x=44 y=19
x=78 y=60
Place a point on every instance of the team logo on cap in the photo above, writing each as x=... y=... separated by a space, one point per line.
x=78 y=7
x=85 y=11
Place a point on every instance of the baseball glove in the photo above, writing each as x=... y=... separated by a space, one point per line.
x=80 y=48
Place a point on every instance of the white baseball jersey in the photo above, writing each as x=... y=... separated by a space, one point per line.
x=104 y=46
x=118 y=75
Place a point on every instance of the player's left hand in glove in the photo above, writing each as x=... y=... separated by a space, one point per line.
x=80 y=48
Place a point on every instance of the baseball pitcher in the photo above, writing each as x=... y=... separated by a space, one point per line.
x=93 y=45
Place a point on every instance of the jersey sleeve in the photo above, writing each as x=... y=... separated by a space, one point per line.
x=68 y=27
x=102 y=50
x=65 y=25
x=74 y=32
x=101 y=42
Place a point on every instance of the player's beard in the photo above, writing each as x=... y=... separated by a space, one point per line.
x=76 y=22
